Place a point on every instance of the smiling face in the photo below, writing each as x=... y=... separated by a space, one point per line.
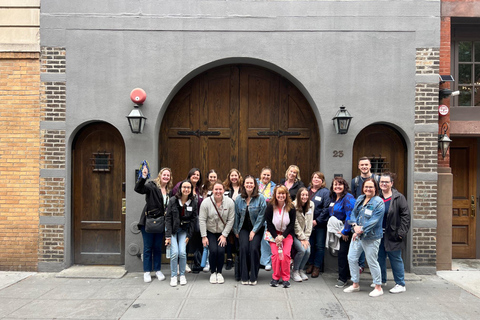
x=304 y=197
x=249 y=185
x=316 y=181
x=212 y=177
x=369 y=189
x=292 y=174
x=338 y=187
x=195 y=177
x=186 y=188
x=281 y=196
x=266 y=176
x=386 y=184
x=234 y=177
x=364 y=166
x=218 y=191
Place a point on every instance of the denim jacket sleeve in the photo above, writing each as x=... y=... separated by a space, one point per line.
x=377 y=215
x=262 y=205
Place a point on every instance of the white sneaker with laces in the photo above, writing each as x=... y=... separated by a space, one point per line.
x=351 y=289
x=303 y=275
x=187 y=269
x=207 y=267
x=147 y=277
x=384 y=284
x=295 y=276
x=398 y=289
x=220 y=278
x=213 y=278
x=268 y=267
x=376 y=293
x=160 y=275
x=173 y=281
x=183 y=280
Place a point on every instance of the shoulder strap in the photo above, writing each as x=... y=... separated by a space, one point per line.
x=217 y=211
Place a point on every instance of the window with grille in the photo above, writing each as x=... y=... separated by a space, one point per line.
x=379 y=164
x=468 y=73
x=101 y=162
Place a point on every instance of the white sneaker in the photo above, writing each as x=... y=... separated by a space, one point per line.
x=351 y=289
x=376 y=293
x=147 y=277
x=268 y=267
x=220 y=278
x=295 y=276
x=183 y=280
x=213 y=278
x=398 y=289
x=384 y=284
x=160 y=275
x=173 y=281
x=207 y=267
x=187 y=269
x=303 y=275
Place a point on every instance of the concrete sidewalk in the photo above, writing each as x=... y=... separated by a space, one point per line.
x=45 y=296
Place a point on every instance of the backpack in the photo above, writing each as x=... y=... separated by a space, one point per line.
x=197 y=261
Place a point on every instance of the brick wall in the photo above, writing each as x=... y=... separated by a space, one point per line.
x=425 y=157
x=19 y=160
x=52 y=158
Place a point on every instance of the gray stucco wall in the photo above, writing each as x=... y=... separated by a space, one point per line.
x=360 y=54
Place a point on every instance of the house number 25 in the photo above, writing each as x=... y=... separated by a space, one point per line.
x=337 y=153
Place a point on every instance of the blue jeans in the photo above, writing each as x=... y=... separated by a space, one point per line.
x=302 y=255
x=371 y=253
x=178 y=255
x=396 y=262
x=317 y=243
x=152 y=250
x=265 y=251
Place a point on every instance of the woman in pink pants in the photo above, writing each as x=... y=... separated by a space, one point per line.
x=280 y=216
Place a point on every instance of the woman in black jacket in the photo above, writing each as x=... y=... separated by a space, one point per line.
x=180 y=223
x=156 y=197
x=292 y=181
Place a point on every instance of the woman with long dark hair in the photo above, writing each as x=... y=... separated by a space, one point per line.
x=303 y=229
x=248 y=228
x=180 y=223
x=156 y=197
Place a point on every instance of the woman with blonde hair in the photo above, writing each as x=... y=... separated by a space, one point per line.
x=280 y=217
x=292 y=181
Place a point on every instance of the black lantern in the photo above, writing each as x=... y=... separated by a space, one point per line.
x=443 y=140
x=342 y=120
x=136 y=120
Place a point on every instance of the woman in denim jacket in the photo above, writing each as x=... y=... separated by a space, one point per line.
x=248 y=228
x=265 y=187
x=366 y=221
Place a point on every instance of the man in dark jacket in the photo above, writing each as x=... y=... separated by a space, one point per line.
x=396 y=223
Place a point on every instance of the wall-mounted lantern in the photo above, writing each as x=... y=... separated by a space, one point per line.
x=342 y=120
x=136 y=119
x=443 y=140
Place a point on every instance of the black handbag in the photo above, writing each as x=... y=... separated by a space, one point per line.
x=154 y=223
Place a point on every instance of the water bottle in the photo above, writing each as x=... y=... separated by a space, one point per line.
x=280 y=252
x=168 y=252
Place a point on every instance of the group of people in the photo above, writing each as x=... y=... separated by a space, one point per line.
x=268 y=224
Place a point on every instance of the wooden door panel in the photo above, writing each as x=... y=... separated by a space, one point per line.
x=98 y=176
x=385 y=144
x=463 y=164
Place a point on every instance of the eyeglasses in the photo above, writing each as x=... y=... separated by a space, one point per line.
x=385 y=182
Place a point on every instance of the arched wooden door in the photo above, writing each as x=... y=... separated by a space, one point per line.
x=98 y=190
x=239 y=116
x=387 y=151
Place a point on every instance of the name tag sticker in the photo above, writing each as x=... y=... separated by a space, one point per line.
x=368 y=212
x=332 y=204
x=317 y=198
x=189 y=208
x=309 y=212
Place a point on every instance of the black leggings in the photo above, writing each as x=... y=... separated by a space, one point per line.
x=250 y=254
x=217 y=253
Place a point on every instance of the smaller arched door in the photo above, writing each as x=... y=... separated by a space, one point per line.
x=387 y=151
x=98 y=189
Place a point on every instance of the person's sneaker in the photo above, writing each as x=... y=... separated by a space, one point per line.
x=187 y=269
x=147 y=277
x=303 y=275
x=295 y=276
x=252 y=283
x=245 y=283
x=274 y=283
x=207 y=267
x=351 y=289
x=384 y=284
x=268 y=267
x=229 y=264
x=398 y=289
x=213 y=277
x=160 y=275
x=340 y=284
x=173 y=281
x=183 y=280
x=376 y=293
x=220 y=278
x=286 y=284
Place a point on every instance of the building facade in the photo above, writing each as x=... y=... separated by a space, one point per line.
x=240 y=84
